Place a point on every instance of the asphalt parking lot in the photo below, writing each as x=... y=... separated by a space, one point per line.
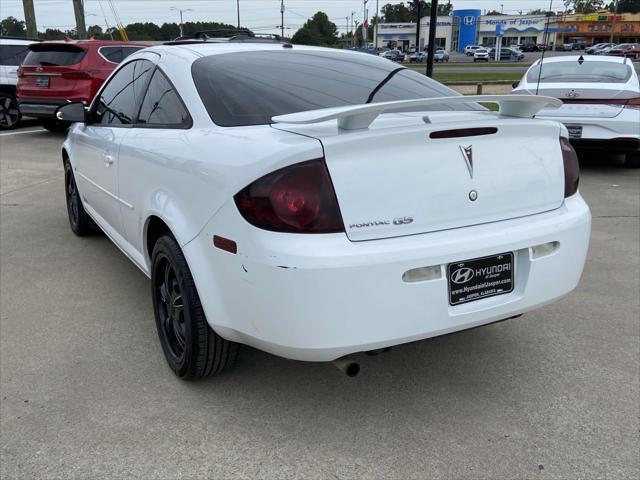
x=85 y=390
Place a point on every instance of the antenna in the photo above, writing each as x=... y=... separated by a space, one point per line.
x=546 y=41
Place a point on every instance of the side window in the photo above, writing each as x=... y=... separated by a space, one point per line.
x=126 y=51
x=13 y=54
x=112 y=54
x=119 y=100
x=162 y=105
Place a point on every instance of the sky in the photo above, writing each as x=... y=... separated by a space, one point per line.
x=258 y=15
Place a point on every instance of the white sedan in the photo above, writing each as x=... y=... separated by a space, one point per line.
x=601 y=101
x=262 y=189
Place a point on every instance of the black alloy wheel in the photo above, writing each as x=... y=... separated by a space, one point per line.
x=192 y=349
x=80 y=222
x=9 y=112
x=170 y=307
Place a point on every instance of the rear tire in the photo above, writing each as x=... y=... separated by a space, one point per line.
x=54 y=125
x=80 y=222
x=9 y=111
x=192 y=349
x=632 y=160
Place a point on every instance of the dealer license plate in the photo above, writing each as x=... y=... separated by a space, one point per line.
x=42 y=81
x=575 y=131
x=480 y=278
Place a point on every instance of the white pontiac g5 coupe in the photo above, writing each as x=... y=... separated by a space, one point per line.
x=262 y=188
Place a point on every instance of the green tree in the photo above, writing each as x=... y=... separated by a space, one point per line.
x=494 y=12
x=95 y=31
x=397 y=13
x=584 y=6
x=625 y=6
x=169 y=31
x=318 y=30
x=52 y=34
x=13 y=27
x=539 y=11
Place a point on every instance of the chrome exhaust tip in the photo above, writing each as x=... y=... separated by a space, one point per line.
x=347 y=365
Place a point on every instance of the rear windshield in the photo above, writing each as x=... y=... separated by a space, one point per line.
x=54 y=55
x=249 y=88
x=587 y=72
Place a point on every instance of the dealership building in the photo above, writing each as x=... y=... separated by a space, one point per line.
x=470 y=27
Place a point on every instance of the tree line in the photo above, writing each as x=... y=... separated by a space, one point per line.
x=318 y=30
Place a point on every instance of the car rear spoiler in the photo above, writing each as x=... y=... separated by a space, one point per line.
x=359 y=117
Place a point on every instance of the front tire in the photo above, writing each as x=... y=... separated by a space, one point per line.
x=632 y=160
x=80 y=222
x=9 y=111
x=192 y=349
x=54 y=125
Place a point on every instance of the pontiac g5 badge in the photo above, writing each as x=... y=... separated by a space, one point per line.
x=467 y=153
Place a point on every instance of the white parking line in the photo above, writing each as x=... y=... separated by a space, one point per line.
x=22 y=132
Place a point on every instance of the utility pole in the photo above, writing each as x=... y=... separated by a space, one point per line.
x=502 y=8
x=613 y=23
x=30 y=18
x=364 y=23
x=418 y=25
x=347 y=33
x=78 y=10
x=238 y=8
x=353 y=38
x=377 y=22
x=433 y=21
x=281 y=18
x=181 y=11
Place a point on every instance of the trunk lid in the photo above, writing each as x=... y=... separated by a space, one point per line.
x=53 y=70
x=585 y=99
x=393 y=179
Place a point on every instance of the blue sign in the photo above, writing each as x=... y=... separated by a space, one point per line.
x=468 y=21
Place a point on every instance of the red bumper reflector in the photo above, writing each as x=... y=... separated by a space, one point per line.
x=225 y=244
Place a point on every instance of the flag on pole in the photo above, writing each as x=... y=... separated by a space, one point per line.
x=365 y=30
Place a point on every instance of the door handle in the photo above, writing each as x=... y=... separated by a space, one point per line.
x=108 y=160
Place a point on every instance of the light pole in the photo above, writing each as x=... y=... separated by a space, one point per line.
x=282 y=18
x=377 y=22
x=613 y=23
x=364 y=22
x=353 y=40
x=181 y=12
x=238 y=9
x=347 y=33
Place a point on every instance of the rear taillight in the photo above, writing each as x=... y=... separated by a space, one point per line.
x=571 y=168
x=76 y=75
x=296 y=199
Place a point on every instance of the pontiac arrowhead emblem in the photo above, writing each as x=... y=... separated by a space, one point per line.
x=467 y=153
x=581 y=60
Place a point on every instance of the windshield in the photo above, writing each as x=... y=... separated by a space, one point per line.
x=250 y=88
x=587 y=72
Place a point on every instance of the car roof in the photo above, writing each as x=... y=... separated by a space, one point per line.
x=17 y=41
x=95 y=43
x=206 y=49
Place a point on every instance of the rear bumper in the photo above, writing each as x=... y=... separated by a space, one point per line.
x=623 y=130
x=618 y=145
x=320 y=297
x=40 y=108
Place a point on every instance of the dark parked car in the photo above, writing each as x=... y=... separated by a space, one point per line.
x=58 y=72
x=507 y=54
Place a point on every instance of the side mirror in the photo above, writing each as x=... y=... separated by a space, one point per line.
x=515 y=84
x=72 y=112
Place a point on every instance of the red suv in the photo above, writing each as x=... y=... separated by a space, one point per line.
x=55 y=73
